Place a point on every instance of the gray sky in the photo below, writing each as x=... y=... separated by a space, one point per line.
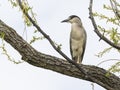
x=49 y=15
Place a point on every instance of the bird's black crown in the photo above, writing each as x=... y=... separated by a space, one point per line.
x=73 y=16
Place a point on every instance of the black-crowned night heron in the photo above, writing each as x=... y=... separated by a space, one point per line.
x=78 y=38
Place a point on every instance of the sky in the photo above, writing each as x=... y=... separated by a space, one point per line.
x=49 y=14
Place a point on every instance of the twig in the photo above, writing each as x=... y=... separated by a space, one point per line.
x=115 y=9
x=92 y=84
x=51 y=41
x=107 y=61
x=103 y=35
x=96 y=29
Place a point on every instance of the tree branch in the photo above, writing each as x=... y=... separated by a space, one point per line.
x=96 y=29
x=33 y=57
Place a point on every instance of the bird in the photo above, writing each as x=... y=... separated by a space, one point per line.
x=78 y=38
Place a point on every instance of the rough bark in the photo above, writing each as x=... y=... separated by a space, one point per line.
x=33 y=57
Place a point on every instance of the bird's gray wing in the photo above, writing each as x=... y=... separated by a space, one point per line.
x=71 y=50
x=84 y=46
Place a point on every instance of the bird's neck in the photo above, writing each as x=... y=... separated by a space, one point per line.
x=76 y=26
x=77 y=23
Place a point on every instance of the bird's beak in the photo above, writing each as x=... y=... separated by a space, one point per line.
x=66 y=20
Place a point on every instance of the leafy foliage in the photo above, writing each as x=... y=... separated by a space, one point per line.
x=112 y=32
x=115 y=68
x=36 y=38
x=4 y=50
x=13 y=3
x=106 y=50
x=26 y=9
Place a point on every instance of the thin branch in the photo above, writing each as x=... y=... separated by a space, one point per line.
x=96 y=29
x=51 y=41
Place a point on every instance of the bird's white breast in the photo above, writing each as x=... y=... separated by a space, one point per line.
x=77 y=32
x=77 y=38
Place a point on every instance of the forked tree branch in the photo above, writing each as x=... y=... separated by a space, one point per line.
x=33 y=57
x=50 y=40
x=96 y=28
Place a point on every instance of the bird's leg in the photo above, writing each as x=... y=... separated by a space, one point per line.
x=75 y=59
x=78 y=59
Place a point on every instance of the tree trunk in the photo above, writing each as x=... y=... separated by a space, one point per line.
x=33 y=57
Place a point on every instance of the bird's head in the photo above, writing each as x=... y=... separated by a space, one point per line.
x=72 y=19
